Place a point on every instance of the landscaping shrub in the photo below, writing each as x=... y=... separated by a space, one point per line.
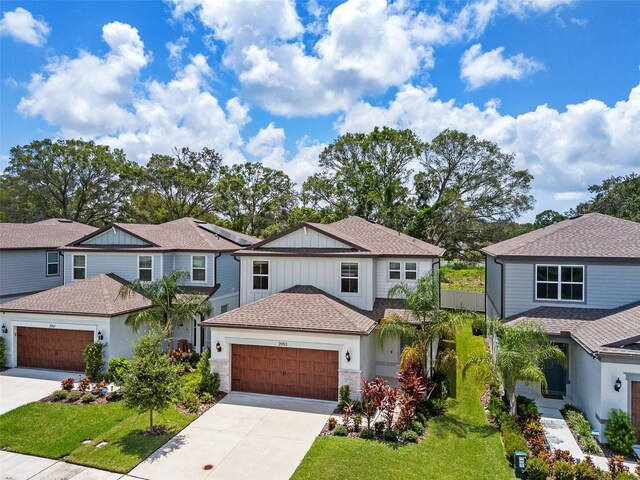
x=340 y=431
x=94 y=360
x=367 y=434
x=59 y=395
x=118 y=367
x=497 y=407
x=616 y=466
x=436 y=406
x=209 y=381
x=479 y=325
x=332 y=423
x=113 y=396
x=344 y=396
x=582 y=429
x=3 y=352
x=346 y=414
x=379 y=428
x=421 y=418
x=526 y=408
x=536 y=469
x=410 y=436
x=357 y=421
x=620 y=432
x=625 y=476
x=390 y=436
x=586 y=470
x=512 y=437
x=73 y=396
x=372 y=394
x=84 y=385
x=194 y=359
x=563 y=470
x=417 y=427
x=67 y=384
x=191 y=403
x=88 y=398
x=207 y=398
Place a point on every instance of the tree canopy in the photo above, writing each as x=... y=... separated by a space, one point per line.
x=616 y=196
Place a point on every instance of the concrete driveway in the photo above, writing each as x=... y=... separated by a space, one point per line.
x=25 y=385
x=245 y=436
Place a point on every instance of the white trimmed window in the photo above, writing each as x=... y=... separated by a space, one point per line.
x=349 y=277
x=260 y=275
x=53 y=264
x=560 y=282
x=79 y=267
x=395 y=270
x=410 y=271
x=198 y=268
x=145 y=268
x=224 y=308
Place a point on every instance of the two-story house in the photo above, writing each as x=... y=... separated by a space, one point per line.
x=311 y=298
x=50 y=329
x=29 y=258
x=580 y=280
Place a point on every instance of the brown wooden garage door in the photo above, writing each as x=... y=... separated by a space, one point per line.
x=294 y=372
x=635 y=406
x=52 y=348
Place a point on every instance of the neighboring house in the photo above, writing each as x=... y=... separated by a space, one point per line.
x=311 y=298
x=29 y=258
x=580 y=280
x=119 y=253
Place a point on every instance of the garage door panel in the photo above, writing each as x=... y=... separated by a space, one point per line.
x=57 y=349
x=294 y=372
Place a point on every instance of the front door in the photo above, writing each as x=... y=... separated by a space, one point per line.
x=635 y=406
x=556 y=375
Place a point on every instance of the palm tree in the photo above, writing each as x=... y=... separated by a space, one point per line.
x=431 y=324
x=520 y=355
x=170 y=305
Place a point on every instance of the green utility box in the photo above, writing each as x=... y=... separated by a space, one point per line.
x=519 y=462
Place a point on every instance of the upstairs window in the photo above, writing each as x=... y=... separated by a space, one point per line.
x=260 y=275
x=224 y=308
x=410 y=271
x=560 y=282
x=198 y=268
x=145 y=268
x=79 y=267
x=349 y=277
x=394 y=270
x=53 y=264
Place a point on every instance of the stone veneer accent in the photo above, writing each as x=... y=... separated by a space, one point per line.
x=353 y=378
x=221 y=367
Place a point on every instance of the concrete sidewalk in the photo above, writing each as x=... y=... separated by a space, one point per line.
x=15 y=466
x=558 y=433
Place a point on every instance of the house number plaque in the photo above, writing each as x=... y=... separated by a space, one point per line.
x=282 y=344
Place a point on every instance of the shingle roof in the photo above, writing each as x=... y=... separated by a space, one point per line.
x=187 y=234
x=592 y=235
x=299 y=308
x=95 y=296
x=598 y=331
x=365 y=237
x=387 y=307
x=51 y=233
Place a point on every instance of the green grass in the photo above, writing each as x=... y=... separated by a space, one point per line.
x=469 y=279
x=55 y=430
x=459 y=445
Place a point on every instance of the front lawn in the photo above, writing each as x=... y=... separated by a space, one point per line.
x=57 y=430
x=459 y=445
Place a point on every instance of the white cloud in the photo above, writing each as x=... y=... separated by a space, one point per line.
x=565 y=150
x=175 y=51
x=479 y=68
x=569 y=196
x=21 y=25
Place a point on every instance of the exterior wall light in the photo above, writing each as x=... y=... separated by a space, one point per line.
x=347 y=356
x=218 y=347
x=4 y=328
x=100 y=336
x=618 y=385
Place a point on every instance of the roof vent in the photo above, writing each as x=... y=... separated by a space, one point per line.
x=200 y=222
x=64 y=220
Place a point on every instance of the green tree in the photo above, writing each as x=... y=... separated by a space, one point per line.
x=71 y=179
x=615 y=196
x=170 y=306
x=521 y=353
x=431 y=325
x=366 y=175
x=252 y=197
x=548 y=217
x=152 y=381
x=177 y=186
x=466 y=182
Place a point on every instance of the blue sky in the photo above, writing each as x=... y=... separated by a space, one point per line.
x=554 y=81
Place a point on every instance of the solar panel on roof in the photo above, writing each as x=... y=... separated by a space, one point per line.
x=225 y=234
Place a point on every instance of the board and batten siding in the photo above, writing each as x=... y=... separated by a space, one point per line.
x=383 y=283
x=123 y=264
x=606 y=286
x=25 y=271
x=111 y=237
x=493 y=288
x=323 y=273
x=306 y=238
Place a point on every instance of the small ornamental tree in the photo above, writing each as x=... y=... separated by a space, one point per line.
x=152 y=381
x=209 y=381
x=94 y=360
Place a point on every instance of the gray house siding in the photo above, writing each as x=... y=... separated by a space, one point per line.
x=122 y=264
x=114 y=238
x=183 y=262
x=493 y=288
x=606 y=285
x=25 y=271
x=227 y=275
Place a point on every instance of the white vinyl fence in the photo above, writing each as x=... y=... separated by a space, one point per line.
x=458 y=299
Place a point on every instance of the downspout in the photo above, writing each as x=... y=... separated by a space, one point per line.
x=433 y=265
x=215 y=267
x=64 y=273
x=239 y=274
x=502 y=302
